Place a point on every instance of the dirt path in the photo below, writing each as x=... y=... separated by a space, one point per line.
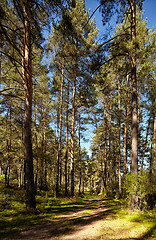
x=80 y=225
x=97 y=220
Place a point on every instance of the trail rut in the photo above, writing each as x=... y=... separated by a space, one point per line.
x=82 y=224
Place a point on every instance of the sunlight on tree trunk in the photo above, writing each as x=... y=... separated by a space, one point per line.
x=134 y=169
x=30 y=189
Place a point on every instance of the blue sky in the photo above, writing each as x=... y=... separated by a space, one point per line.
x=149 y=8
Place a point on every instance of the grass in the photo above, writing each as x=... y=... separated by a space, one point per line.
x=124 y=224
x=117 y=222
x=14 y=217
x=114 y=223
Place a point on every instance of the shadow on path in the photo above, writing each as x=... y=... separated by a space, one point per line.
x=78 y=224
x=68 y=223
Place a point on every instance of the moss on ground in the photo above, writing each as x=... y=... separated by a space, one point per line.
x=118 y=222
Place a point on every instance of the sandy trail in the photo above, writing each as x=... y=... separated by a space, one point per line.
x=79 y=225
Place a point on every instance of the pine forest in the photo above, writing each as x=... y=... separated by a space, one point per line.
x=64 y=87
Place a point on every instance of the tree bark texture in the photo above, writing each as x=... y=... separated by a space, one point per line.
x=80 y=163
x=105 y=153
x=45 y=157
x=72 y=135
x=110 y=139
x=37 y=148
x=119 y=140
x=60 y=139
x=154 y=147
x=58 y=153
x=27 y=61
x=66 y=155
x=134 y=92
x=0 y=90
x=8 y=146
x=126 y=126
x=134 y=150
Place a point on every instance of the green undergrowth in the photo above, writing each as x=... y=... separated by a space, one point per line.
x=122 y=223
x=118 y=222
x=14 y=217
x=115 y=222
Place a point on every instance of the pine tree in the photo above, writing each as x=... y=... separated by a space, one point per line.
x=76 y=38
x=118 y=69
x=20 y=37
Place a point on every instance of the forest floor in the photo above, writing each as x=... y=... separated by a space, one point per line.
x=97 y=219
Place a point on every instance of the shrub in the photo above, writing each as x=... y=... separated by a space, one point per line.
x=143 y=186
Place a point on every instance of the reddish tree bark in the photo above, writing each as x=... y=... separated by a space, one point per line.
x=27 y=66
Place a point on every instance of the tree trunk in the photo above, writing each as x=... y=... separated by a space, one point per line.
x=72 y=135
x=1 y=171
x=151 y=158
x=7 y=170
x=110 y=138
x=0 y=70
x=126 y=126
x=83 y=187
x=102 y=170
x=37 y=158
x=27 y=61
x=21 y=169
x=22 y=138
x=60 y=140
x=134 y=166
x=105 y=154
x=80 y=170
x=105 y=167
x=37 y=148
x=42 y=161
x=154 y=147
x=58 y=153
x=66 y=155
x=0 y=90
x=20 y=176
x=45 y=158
x=8 y=145
x=115 y=157
x=119 y=141
x=134 y=93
